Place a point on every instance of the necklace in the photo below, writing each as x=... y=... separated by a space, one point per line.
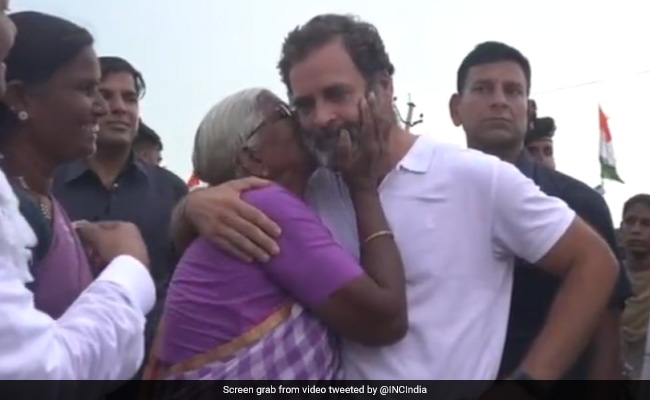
x=42 y=201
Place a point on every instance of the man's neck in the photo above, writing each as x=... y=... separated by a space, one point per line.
x=508 y=154
x=22 y=161
x=399 y=143
x=638 y=262
x=108 y=163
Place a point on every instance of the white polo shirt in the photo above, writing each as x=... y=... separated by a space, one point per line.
x=459 y=218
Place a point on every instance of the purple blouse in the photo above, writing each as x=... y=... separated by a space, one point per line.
x=214 y=298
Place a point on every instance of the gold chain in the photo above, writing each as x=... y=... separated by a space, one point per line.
x=45 y=209
x=43 y=201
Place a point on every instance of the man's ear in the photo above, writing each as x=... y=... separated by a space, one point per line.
x=532 y=113
x=454 y=113
x=382 y=85
x=386 y=83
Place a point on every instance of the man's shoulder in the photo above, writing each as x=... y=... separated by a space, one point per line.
x=165 y=180
x=164 y=175
x=463 y=163
x=577 y=194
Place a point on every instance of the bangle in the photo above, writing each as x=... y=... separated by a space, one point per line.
x=376 y=235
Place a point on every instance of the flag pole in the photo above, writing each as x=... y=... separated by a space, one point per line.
x=602 y=178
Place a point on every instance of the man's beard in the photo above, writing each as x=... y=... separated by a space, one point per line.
x=323 y=143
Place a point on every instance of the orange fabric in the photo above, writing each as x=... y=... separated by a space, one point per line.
x=193 y=181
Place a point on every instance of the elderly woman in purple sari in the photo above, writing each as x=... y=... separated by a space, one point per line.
x=227 y=319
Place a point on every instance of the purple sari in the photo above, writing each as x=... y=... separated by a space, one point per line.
x=226 y=319
x=65 y=271
x=291 y=344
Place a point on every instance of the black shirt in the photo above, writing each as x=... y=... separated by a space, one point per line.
x=533 y=289
x=143 y=194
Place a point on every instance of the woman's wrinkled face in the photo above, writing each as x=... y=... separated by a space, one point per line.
x=64 y=111
x=278 y=149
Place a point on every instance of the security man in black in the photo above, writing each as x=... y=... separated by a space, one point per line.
x=534 y=290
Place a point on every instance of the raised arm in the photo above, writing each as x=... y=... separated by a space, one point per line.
x=221 y=216
x=545 y=232
x=369 y=307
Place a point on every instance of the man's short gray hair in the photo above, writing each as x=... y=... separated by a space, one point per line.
x=224 y=132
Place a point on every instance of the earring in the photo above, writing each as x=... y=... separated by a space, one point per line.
x=22 y=115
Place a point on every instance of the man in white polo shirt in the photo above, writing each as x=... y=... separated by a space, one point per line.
x=459 y=218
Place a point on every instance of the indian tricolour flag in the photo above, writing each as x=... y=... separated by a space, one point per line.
x=606 y=150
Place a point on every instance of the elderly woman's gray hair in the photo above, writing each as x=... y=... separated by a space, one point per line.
x=224 y=131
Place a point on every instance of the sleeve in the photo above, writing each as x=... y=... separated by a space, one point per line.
x=526 y=222
x=593 y=210
x=311 y=264
x=100 y=337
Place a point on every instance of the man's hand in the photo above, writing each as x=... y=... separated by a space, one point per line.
x=108 y=240
x=221 y=216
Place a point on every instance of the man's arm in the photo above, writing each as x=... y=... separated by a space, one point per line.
x=545 y=232
x=100 y=337
x=606 y=360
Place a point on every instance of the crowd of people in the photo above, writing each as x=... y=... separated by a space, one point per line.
x=330 y=243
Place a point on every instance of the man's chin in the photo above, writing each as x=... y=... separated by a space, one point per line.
x=502 y=135
x=637 y=251
x=497 y=139
x=114 y=140
x=323 y=160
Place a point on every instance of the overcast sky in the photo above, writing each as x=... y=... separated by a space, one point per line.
x=194 y=52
